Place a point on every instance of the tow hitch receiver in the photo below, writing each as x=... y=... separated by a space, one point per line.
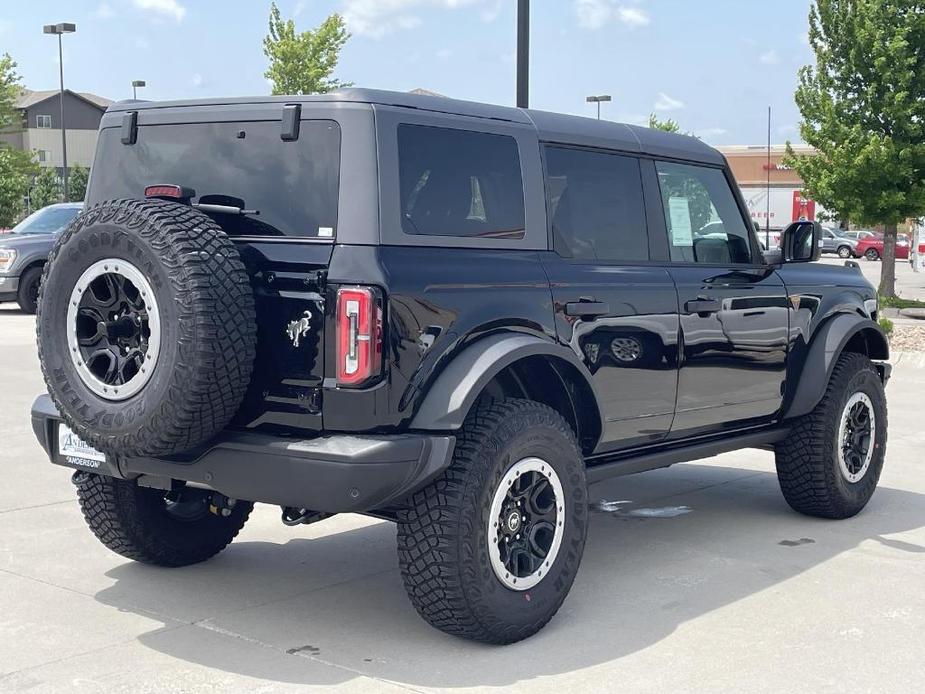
x=302 y=516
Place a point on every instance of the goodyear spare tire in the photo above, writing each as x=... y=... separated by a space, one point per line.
x=146 y=327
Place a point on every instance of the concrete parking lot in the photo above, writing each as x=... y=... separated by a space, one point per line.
x=704 y=581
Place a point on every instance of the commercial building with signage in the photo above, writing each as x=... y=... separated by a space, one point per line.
x=772 y=190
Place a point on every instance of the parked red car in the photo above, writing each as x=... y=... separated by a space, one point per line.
x=871 y=247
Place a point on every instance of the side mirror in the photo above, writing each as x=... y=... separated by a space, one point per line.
x=757 y=226
x=801 y=242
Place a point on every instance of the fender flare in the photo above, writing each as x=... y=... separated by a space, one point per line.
x=455 y=390
x=825 y=347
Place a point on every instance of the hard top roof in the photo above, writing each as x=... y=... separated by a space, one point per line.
x=551 y=127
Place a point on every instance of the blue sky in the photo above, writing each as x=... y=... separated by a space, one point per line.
x=713 y=65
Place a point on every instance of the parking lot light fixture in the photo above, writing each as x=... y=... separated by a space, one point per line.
x=135 y=85
x=59 y=29
x=597 y=100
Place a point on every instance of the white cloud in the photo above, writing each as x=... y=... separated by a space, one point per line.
x=196 y=80
x=666 y=103
x=769 y=58
x=490 y=13
x=376 y=18
x=633 y=118
x=105 y=11
x=710 y=132
x=803 y=38
x=593 y=14
x=141 y=43
x=632 y=16
x=299 y=8
x=444 y=53
x=170 y=9
x=4 y=26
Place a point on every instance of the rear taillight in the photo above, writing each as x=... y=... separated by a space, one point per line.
x=359 y=335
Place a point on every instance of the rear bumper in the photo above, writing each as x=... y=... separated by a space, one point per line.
x=338 y=473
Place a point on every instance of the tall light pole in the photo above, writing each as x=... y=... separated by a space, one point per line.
x=767 y=213
x=135 y=85
x=58 y=29
x=523 y=53
x=597 y=100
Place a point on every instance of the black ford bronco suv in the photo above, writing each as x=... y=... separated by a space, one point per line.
x=451 y=315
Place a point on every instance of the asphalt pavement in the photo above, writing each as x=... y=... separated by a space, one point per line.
x=695 y=578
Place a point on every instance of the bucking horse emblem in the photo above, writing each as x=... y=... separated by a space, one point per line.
x=298 y=329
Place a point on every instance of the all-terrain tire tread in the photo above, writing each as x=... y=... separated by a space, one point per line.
x=217 y=319
x=431 y=566
x=112 y=510
x=804 y=468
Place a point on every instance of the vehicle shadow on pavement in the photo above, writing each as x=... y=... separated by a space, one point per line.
x=670 y=546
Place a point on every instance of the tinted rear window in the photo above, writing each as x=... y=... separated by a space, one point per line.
x=460 y=183
x=293 y=185
x=595 y=205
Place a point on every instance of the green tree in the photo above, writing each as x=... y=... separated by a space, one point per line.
x=863 y=109
x=302 y=62
x=46 y=189
x=669 y=125
x=78 y=177
x=10 y=89
x=16 y=169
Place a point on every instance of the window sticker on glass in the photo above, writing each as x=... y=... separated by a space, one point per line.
x=680 y=222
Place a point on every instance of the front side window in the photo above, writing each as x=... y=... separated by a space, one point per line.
x=42 y=121
x=459 y=183
x=595 y=205
x=704 y=222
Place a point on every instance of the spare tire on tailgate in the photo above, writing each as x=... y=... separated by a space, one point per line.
x=146 y=327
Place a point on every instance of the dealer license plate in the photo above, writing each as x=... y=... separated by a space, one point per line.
x=77 y=452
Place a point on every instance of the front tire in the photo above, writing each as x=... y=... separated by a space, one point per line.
x=28 y=295
x=830 y=463
x=150 y=526
x=872 y=254
x=489 y=550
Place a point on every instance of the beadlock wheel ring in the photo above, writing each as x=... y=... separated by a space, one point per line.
x=526 y=524
x=856 y=437
x=113 y=329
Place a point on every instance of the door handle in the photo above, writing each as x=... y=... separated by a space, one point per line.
x=586 y=309
x=703 y=306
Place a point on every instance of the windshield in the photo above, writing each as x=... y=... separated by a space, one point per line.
x=48 y=220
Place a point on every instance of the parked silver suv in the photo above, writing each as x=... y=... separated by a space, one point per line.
x=834 y=241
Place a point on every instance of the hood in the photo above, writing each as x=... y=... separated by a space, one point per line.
x=26 y=243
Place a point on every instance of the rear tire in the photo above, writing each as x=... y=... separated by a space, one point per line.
x=844 y=251
x=452 y=552
x=825 y=466
x=28 y=295
x=140 y=524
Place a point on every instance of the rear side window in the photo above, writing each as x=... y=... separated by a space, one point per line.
x=459 y=183
x=595 y=205
x=704 y=222
x=291 y=185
